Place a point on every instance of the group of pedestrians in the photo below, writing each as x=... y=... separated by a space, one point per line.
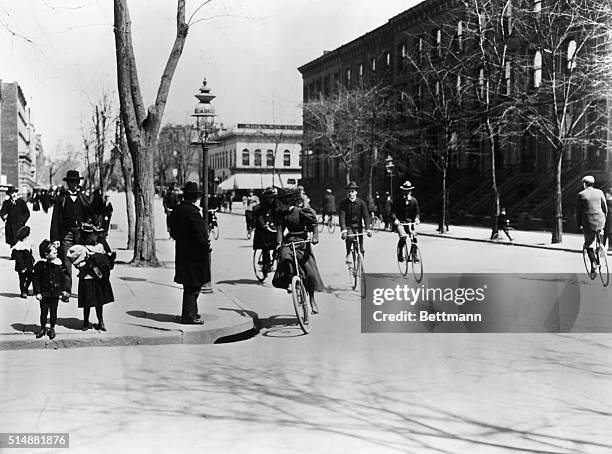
x=77 y=238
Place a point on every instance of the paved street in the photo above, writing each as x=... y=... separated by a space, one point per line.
x=335 y=390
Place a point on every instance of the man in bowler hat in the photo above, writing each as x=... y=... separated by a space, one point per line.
x=192 y=250
x=15 y=213
x=70 y=210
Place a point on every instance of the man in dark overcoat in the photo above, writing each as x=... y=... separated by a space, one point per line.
x=15 y=213
x=70 y=210
x=192 y=250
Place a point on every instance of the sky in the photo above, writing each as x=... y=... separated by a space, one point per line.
x=62 y=54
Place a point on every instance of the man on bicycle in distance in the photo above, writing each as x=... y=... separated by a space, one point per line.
x=265 y=228
x=591 y=210
x=405 y=210
x=249 y=202
x=329 y=205
x=354 y=217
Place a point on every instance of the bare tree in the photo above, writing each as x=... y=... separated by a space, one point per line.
x=569 y=76
x=141 y=124
x=125 y=159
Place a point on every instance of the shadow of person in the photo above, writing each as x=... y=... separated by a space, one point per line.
x=70 y=323
x=23 y=328
x=239 y=281
x=164 y=318
x=10 y=295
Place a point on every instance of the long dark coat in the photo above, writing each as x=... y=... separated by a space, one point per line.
x=264 y=222
x=16 y=215
x=57 y=233
x=192 y=248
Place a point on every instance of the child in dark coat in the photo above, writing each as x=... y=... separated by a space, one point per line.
x=21 y=252
x=94 y=260
x=49 y=281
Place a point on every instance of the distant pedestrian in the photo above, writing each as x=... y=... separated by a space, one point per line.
x=97 y=205
x=94 y=260
x=49 y=282
x=192 y=250
x=35 y=200
x=45 y=201
x=15 y=214
x=305 y=203
x=607 y=234
x=21 y=252
x=71 y=209
x=387 y=211
x=170 y=203
x=107 y=214
x=503 y=224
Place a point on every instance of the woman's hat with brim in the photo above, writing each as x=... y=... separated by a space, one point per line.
x=191 y=188
x=287 y=194
x=352 y=185
x=73 y=175
x=407 y=186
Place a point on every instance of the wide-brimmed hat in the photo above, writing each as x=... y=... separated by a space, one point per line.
x=352 y=185
x=44 y=247
x=406 y=186
x=23 y=232
x=73 y=175
x=191 y=187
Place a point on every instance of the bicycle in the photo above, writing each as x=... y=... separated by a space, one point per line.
x=601 y=261
x=213 y=225
x=331 y=227
x=356 y=268
x=413 y=257
x=301 y=301
x=376 y=224
x=261 y=272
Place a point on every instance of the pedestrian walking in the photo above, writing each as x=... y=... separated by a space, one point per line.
x=503 y=224
x=305 y=202
x=94 y=260
x=107 y=214
x=35 y=200
x=71 y=209
x=97 y=205
x=170 y=203
x=387 y=210
x=329 y=205
x=49 y=282
x=45 y=200
x=15 y=214
x=21 y=252
x=591 y=212
x=607 y=233
x=192 y=249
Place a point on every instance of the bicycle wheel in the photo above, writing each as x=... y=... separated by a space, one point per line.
x=375 y=225
x=301 y=304
x=258 y=265
x=362 y=276
x=587 y=263
x=417 y=263
x=356 y=269
x=330 y=225
x=604 y=273
x=403 y=266
x=321 y=222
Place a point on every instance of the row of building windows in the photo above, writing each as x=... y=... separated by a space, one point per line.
x=226 y=159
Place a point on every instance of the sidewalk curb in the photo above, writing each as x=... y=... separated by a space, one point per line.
x=481 y=240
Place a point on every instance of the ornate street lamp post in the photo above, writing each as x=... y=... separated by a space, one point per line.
x=204 y=115
x=389 y=168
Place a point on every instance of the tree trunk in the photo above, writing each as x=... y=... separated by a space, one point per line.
x=144 y=191
x=557 y=227
x=127 y=172
x=443 y=221
x=494 y=187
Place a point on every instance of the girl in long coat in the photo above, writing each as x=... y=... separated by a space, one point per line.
x=15 y=213
x=299 y=224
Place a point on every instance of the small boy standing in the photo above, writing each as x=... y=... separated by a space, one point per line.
x=49 y=281
x=21 y=252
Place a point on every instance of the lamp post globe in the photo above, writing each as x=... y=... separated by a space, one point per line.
x=389 y=166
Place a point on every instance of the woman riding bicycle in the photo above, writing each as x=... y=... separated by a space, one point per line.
x=300 y=223
x=265 y=229
x=405 y=211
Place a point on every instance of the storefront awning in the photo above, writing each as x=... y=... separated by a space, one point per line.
x=258 y=181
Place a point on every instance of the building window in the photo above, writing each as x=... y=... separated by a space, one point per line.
x=438 y=89
x=481 y=81
x=326 y=86
x=537 y=6
x=287 y=158
x=269 y=158
x=257 y=158
x=508 y=18
x=460 y=36
x=459 y=84
x=388 y=59
x=245 y=158
x=508 y=77
x=437 y=35
x=347 y=78
x=401 y=61
x=537 y=69
x=420 y=49
x=373 y=65
x=571 y=54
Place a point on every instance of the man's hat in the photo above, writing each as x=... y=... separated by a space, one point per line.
x=407 y=186
x=329 y=191
x=352 y=185
x=73 y=175
x=11 y=190
x=44 y=247
x=191 y=187
x=23 y=232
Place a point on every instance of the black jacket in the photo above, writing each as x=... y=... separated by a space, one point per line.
x=57 y=233
x=191 y=245
x=405 y=211
x=354 y=214
x=16 y=215
x=49 y=280
x=24 y=260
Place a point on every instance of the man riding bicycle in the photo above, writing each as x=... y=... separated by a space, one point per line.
x=591 y=211
x=265 y=228
x=250 y=202
x=329 y=206
x=354 y=217
x=405 y=211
